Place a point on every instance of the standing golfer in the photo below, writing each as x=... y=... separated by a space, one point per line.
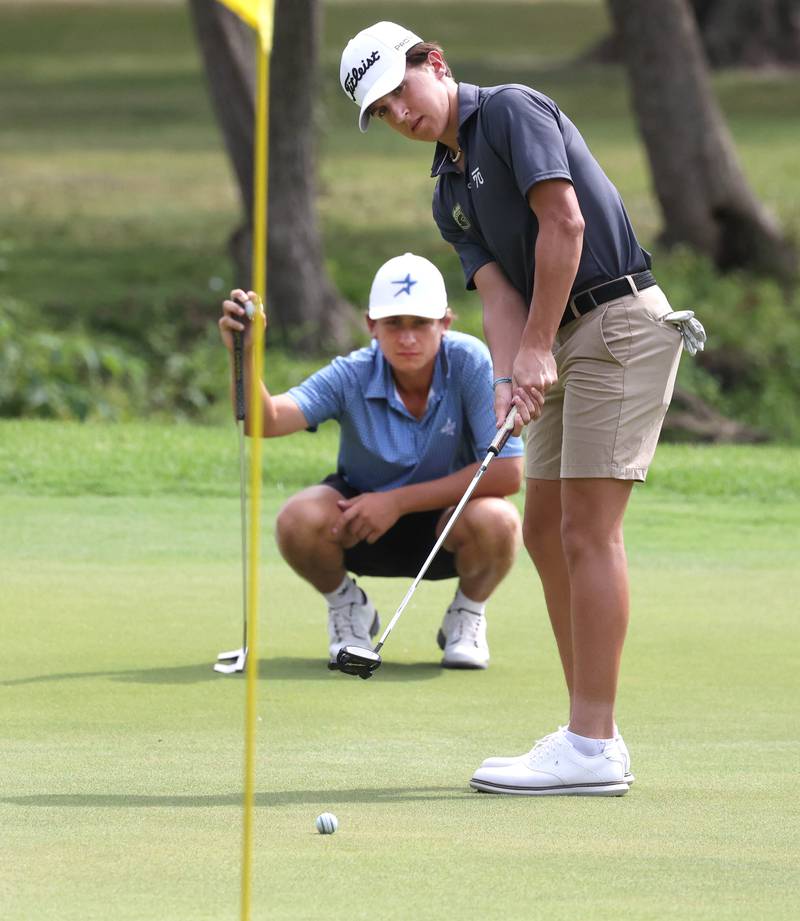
x=414 y=409
x=579 y=339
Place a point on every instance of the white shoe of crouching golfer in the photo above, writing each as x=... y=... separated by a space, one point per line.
x=352 y=624
x=554 y=767
x=462 y=636
x=504 y=760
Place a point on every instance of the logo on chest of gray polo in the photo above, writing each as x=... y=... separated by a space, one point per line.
x=460 y=218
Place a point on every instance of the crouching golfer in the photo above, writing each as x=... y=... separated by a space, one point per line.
x=416 y=417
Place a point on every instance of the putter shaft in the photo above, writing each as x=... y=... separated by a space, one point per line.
x=239 y=657
x=494 y=449
x=238 y=372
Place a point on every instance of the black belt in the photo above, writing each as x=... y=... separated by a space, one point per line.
x=601 y=294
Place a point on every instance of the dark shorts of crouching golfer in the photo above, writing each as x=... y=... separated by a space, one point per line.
x=403 y=549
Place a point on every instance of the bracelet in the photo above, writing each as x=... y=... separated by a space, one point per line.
x=502 y=380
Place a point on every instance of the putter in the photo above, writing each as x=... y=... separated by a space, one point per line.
x=363 y=662
x=229 y=663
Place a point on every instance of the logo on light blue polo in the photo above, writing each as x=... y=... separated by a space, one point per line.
x=449 y=428
x=406 y=284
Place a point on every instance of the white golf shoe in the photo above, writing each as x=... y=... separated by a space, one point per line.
x=462 y=636
x=504 y=760
x=553 y=767
x=352 y=624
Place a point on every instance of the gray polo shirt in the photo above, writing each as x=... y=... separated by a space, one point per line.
x=512 y=138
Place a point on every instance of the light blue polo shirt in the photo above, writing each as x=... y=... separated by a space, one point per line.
x=382 y=445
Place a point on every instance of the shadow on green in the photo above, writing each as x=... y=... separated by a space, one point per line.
x=276 y=798
x=283 y=668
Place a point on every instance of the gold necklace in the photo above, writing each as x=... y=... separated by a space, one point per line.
x=454 y=158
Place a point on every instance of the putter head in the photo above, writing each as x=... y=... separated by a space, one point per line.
x=356 y=660
x=229 y=663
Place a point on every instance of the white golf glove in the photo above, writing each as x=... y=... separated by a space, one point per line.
x=691 y=330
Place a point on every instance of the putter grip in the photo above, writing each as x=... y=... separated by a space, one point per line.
x=503 y=435
x=238 y=373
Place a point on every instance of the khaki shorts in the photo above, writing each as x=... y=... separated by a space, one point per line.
x=616 y=372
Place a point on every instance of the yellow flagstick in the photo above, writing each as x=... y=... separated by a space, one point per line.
x=259 y=278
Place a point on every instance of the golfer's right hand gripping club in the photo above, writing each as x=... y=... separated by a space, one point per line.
x=358 y=660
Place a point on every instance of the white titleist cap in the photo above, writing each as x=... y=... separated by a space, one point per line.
x=408 y=284
x=374 y=63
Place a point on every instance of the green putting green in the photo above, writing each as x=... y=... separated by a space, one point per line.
x=122 y=749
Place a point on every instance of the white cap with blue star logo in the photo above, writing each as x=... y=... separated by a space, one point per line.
x=408 y=285
x=374 y=63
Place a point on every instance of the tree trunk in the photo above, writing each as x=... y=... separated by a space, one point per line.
x=704 y=196
x=749 y=33
x=305 y=310
x=690 y=418
x=734 y=33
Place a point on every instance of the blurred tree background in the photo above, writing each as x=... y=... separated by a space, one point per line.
x=122 y=210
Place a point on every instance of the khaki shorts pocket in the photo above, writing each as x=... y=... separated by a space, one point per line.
x=615 y=328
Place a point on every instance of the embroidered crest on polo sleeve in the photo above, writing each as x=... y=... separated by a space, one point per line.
x=460 y=218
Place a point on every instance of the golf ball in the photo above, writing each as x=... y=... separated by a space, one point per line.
x=327 y=823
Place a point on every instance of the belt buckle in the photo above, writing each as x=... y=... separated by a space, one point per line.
x=573 y=306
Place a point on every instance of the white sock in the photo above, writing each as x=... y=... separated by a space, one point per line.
x=461 y=601
x=346 y=593
x=584 y=745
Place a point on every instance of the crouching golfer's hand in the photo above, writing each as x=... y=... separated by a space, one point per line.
x=367 y=517
x=236 y=311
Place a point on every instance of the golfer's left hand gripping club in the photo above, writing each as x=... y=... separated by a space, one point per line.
x=358 y=660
